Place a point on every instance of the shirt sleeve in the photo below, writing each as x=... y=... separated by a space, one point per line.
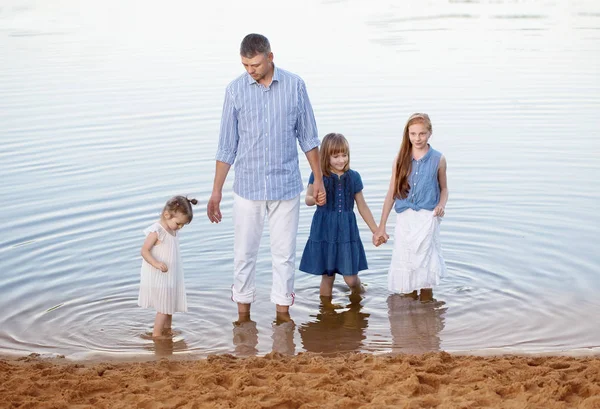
x=311 y=179
x=358 y=184
x=228 y=136
x=306 y=126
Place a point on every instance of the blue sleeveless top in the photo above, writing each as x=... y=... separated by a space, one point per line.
x=424 y=190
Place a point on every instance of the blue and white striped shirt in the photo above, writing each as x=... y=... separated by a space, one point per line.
x=259 y=129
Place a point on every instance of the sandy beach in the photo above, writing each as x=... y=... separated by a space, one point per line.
x=307 y=380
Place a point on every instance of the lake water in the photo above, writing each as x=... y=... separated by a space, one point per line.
x=108 y=108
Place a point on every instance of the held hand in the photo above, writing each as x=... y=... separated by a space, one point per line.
x=439 y=211
x=213 y=210
x=380 y=237
x=319 y=192
x=162 y=267
x=321 y=198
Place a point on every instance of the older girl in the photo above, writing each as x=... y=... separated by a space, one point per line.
x=418 y=192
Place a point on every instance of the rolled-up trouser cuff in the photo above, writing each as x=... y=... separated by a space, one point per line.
x=286 y=300
x=246 y=297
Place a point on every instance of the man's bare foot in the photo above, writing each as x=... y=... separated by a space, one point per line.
x=242 y=317
x=243 y=308
x=282 y=317
x=282 y=308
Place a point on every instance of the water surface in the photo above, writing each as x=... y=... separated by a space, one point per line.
x=109 y=108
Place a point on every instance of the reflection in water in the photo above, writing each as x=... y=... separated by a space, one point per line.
x=336 y=330
x=415 y=325
x=245 y=336
x=166 y=345
x=283 y=334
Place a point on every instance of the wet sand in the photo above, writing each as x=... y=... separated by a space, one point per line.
x=307 y=380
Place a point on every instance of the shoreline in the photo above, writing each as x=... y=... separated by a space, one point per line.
x=306 y=380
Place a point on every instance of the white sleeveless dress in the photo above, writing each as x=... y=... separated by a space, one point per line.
x=164 y=292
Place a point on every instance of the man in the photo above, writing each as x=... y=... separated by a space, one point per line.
x=266 y=110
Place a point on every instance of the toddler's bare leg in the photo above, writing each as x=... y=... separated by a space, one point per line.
x=168 y=324
x=159 y=324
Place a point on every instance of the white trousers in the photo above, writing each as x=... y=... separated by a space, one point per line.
x=248 y=220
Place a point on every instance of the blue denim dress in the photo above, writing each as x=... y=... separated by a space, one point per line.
x=334 y=245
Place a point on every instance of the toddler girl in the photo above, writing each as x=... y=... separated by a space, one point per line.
x=161 y=284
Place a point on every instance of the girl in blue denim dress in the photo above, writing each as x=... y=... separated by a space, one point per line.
x=334 y=245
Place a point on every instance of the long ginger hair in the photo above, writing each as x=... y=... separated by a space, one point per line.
x=404 y=158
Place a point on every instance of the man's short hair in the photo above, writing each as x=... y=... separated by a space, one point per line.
x=254 y=44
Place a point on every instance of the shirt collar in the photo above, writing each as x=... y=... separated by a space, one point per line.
x=426 y=156
x=275 y=76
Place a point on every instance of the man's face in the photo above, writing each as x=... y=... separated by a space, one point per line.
x=258 y=66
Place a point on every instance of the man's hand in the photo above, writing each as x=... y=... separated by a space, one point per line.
x=213 y=210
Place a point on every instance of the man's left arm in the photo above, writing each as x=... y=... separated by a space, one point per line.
x=315 y=165
x=308 y=138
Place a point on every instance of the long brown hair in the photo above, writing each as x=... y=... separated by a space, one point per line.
x=404 y=158
x=333 y=143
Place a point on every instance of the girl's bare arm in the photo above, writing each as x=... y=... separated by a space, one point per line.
x=440 y=209
x=365 y=212
x=389 y=199
x=150 y=242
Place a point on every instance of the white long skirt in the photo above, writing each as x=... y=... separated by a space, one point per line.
x=417 y=260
